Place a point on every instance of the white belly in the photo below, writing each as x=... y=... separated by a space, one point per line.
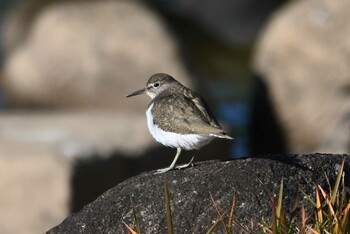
x=184 y=141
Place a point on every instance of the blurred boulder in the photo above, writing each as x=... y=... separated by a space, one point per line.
x=302 y=58
x=234 y=22
x=89 y=54
x=34 y=184
x=75 y=134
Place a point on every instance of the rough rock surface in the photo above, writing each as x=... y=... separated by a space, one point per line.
x=303 y=59
x=190 y=189
x=89 y=54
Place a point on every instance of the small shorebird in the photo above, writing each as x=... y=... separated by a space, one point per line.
x=178 y=117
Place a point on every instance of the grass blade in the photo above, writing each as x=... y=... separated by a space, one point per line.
x=265 y=227
x=268 y=192
x=217 y=210
x=309 y=198
x=243 y=229
x=136 y=221
x=313 y=231
x=279 y=203
x=168 y=209
x=216 y=223
x=229 y=225
x=319 y=207
x=274 y=220
x=337 y=182
x=303 y=221
x=346 y=216
x=329 y=204
x=329 y=184
x=132 y=231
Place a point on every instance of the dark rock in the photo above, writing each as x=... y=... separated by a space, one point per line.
x=93 y=175
x=233 y=21
x=266 y=133
x=190 y=189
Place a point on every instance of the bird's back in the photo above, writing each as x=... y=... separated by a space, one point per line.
x=184 y=111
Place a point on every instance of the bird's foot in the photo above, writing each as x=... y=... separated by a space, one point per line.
x=185 y=165
x=163 y=170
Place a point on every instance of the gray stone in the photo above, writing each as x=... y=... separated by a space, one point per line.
x=190 y=189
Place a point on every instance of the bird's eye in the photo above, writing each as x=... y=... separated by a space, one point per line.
x=156 y=85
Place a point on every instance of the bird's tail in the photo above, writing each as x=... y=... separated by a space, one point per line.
x=223 y=135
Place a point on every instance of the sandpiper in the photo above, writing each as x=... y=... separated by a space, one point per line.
x=178 y=117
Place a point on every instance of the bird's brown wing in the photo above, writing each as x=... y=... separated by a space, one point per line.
x=185 y=114
x=202 y=107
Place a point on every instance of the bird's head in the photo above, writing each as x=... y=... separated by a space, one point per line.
x=156 y=84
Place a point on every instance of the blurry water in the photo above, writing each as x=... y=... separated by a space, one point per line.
x=237 y=114
x=234 y=109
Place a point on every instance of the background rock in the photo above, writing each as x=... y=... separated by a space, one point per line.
x=75 y=134
x=302 y=59
x=34 y=183
x=89 y=54
x=192 y=208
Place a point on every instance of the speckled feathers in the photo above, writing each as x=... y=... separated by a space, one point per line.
x=180 y=110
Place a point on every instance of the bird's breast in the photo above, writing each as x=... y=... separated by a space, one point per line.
x=175 y=140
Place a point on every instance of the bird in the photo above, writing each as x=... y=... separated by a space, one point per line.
x=178 y=117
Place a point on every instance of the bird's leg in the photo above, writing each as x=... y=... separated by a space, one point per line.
x=185 y=165
x=172 y=165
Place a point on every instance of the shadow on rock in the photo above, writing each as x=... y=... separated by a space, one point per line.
x=266 y=134
x=94 y=175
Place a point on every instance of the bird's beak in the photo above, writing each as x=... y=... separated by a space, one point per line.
x=138 y=92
